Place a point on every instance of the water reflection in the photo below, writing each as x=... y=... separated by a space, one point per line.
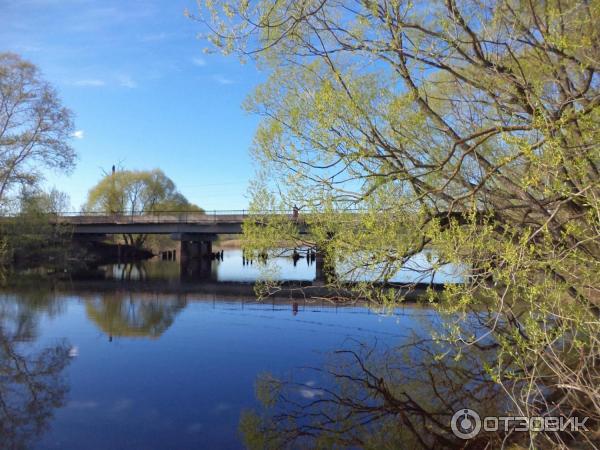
x=233 y=265
x=185 y=386
x=126 y=315
x=236 y=266
x=32 y=384
x=369 y=397
x=143 y=271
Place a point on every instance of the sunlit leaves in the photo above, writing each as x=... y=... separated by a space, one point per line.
x=136 y=192
x=466 y=129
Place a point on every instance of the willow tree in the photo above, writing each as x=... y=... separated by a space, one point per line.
x=137 y=192
x=470 y=127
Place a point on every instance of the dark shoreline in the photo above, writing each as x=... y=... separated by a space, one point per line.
x=287 y=289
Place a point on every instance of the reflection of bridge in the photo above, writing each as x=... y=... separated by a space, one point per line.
x=211 y=290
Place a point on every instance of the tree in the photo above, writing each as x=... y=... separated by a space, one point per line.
x=32 y=235
x=35 y=128
x=137 y=192
x=36 y=200
x=469 y=127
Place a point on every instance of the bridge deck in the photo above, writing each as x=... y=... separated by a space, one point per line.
x=116 y=219
x=162 y=222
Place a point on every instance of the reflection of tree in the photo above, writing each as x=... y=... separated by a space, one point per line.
x=129 y=271
x=31 y=382
x=19 y=311
x=144 y=270
x=123 y=315
x=366 y=398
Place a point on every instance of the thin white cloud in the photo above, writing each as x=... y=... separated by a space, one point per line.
x=127 y=82
x=199 y=61
x=78 y=134
x=89 y=20
x=90 y=82
x=122 y=80
x=154 y=37
x=222 y=80
x=27 y=48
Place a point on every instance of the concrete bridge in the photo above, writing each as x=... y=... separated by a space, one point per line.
x=184 y=225
x=160 y=222
x=193 y=232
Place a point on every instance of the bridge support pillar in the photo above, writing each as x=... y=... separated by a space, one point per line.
x=193 y=246
x=187 y=250
x=205 y=249
x=195 y=258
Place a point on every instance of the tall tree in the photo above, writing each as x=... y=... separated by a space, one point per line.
x=137 y=192
x=35 y=128
x=470 y=127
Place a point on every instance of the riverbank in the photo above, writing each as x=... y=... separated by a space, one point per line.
x=291 y=290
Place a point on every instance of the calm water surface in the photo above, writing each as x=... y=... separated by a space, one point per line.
x=234 y=267
x=129 y=367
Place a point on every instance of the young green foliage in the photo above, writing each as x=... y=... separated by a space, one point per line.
x=465 y=128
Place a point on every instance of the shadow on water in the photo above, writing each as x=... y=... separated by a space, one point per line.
x=231 y=267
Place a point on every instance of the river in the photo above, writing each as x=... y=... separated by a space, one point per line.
x=118 y=362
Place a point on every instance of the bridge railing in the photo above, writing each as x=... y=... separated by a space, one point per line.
x=78 y=217
x=166 y=216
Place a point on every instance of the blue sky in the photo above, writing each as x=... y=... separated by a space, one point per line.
x=144 y=93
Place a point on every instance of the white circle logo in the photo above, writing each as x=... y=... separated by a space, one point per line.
x=465 y=423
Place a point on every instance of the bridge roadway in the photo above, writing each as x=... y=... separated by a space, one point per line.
x=180 y=225
x=183 y=223
x=162 y=223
